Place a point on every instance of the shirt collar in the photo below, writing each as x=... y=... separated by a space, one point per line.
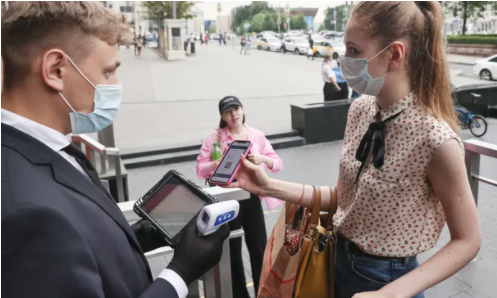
x=397 y=107
x=228 y=133
x=50 y=137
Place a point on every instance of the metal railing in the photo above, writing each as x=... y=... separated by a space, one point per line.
x=217 y=281
x=473 y=150
x=106 y=160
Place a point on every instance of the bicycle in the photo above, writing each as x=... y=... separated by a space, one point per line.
x=476 y=123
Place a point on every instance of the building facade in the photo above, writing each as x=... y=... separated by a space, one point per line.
x=135 y=14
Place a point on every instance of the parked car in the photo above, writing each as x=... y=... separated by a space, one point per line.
x=267 y=34
x=324 y=47
x=295 y=33
x=322 y=33
x=269 y=44
x=486 y=68
x=336 y=46
x=298 y=45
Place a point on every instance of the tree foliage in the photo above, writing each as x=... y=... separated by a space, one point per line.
x=467 y=10
x=245 y=13
x=160 y=10
x=298 y=23
x=329 y=18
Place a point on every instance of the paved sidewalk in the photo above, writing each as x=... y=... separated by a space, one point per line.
x=463 y=59
x=318 y=165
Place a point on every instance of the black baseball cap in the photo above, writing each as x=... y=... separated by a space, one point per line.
x=227 y=102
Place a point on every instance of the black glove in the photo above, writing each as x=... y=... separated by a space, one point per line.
x=195 y=254
x=147 y=236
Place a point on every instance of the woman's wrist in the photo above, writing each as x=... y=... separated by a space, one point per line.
x=272 y=189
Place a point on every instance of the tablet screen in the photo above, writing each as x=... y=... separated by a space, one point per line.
x=173 y=206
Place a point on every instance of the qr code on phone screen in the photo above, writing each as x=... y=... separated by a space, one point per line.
x=228 y=165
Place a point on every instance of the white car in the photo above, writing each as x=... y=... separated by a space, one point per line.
x=337 y=47
x=486 y=68
x=297 y=45
x=269 y=44
x=295 y=33
x=266 y=34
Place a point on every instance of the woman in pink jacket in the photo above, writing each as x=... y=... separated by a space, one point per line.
x=232 y=127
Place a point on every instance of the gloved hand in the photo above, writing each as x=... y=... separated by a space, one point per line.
x=195 y=254
x=147 y=236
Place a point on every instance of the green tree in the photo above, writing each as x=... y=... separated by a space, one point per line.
x=298 y=23
x=328 y=20
x=256 y=22
x=258 y=7
x=269 y=23
x=247 y=12
x=467 y=10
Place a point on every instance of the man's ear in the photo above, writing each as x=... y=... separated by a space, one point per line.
x=53 y=67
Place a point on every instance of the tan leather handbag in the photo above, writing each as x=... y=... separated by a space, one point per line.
x=315 y=277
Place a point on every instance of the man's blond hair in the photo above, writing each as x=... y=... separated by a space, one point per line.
x=30 y=28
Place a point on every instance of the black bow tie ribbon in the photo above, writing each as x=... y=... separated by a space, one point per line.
x=373 y=142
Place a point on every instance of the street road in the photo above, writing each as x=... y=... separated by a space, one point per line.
x=176 y=102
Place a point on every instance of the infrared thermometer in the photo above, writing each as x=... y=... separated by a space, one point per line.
x=215 y=215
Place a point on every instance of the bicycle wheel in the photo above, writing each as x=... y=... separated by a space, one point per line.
x=478 y=126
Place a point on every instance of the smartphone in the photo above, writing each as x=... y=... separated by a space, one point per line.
x=171 y=204
x=230 y=164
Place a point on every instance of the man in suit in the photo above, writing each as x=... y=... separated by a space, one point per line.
x=62 y=233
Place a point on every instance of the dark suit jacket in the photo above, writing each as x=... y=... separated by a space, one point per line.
x=61 y=235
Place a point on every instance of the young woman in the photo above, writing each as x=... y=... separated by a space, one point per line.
x=251 y=217
x=394 y=199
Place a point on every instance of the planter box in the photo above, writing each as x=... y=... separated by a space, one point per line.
x=321 y=122
x=472 y=49
x=480 y=99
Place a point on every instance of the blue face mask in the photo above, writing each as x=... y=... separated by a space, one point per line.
x=355 y=71
x=107 y=100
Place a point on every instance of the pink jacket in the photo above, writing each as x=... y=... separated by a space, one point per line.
x=260 y=145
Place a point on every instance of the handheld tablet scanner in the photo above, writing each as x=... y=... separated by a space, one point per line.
x=215 y=215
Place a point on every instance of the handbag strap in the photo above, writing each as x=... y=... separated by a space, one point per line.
x=332 y=209
x=315 y=209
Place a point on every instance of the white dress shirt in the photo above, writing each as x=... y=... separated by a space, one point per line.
x=327 y=73
x=57 y=141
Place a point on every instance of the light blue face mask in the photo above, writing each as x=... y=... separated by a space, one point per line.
x=107 y=100
x=355 y=71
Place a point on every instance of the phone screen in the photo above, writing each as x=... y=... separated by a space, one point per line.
x=173 y=206
x=230 y=162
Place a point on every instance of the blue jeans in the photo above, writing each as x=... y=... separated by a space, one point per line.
x=357 y=272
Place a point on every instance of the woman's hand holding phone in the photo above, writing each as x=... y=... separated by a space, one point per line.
x=252 y=178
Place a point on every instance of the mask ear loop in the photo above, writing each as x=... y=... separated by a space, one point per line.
x=80 y=72
x=67 y=103
x=389 y=45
